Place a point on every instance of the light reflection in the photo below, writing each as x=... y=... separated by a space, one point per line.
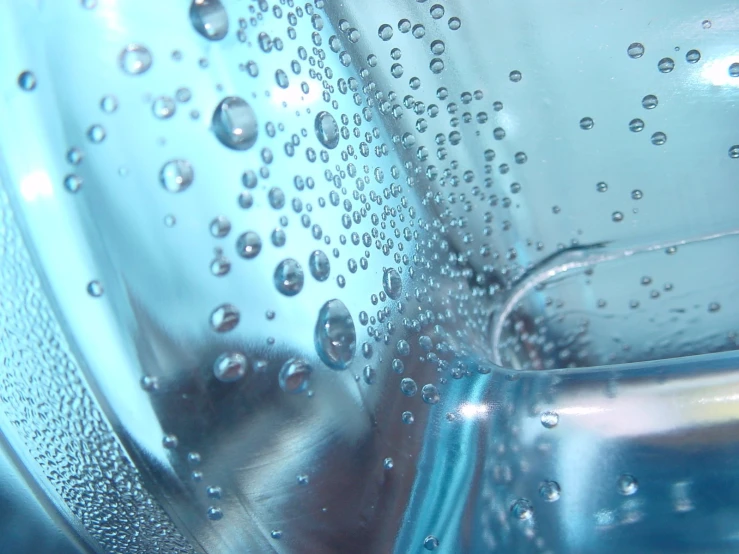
x=716 y=72
x=36 y=185
x=471 y=411
x=293 y=95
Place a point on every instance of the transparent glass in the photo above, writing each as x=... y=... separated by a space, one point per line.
x=365 y=277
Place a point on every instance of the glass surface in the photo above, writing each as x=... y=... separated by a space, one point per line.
x=368 y=277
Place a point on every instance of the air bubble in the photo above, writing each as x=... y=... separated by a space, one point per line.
x=649 y=102
x=385 y=32
x=586 y=123
x=659 y=138
x=176 y=175
x=627 y=484
x=636 y=125
x=392 y=283
x=408 y=387
x=135 y=59
x=163 y=107
x=693 y=56
x=430 y=394
x=734 y=70
x=95 y=289
x=635 y=50
x=515 y=76
x=665 y=65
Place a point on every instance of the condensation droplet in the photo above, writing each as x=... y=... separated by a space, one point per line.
x=431 y=543
x=248 y=245
x=392 y=283
x=235 y=124
x=335 y=337
x=288 y=277
x=649 y=102
x=294 y=376
x=627 y=484
x=549 y=419
x=176 y=175
x=635 y=50
x=230 y=367
x=209 y=18
x=430 y=394
x=95 y=289
x=550 y=491
x=135 y=59
x=327 y=130
x=522 y=509
x=665 y=65
x=224 y=318
x=27 y=81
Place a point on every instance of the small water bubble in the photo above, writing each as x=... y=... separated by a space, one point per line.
x=176 y=175
x=408 y=387
x=636 y=125
x=714 y=307
x=403 y=347
x=163 y=107
x=601 y=187
x=248 y=245
x=96 y=134
x=327 y=130
x=288 y=277
x=392 y=283
x=335 y=337
x=693 y=56
x=281 y=79
x=649 y=102
x=278 y=237
x=230 y=367
x=549 y=419
x=294 y=376
x=109 y=103
x=665 y=65
x=635 y=50
x=454 y=23
x=431 y=543
x=224 y=318
x=276 y=534
x=235 y=124
x=385 y=32
x=706 y=24
x=72 y=182
x=636 y=194
x=659 y=138
x=27 y=81
x=407 y=417
x=387 y=463
x=369 y=374
x=550 y=491
x=586 y=123
x=734 y=151
x=617 y=216
x=220 y=226
x=95 y=289
x=214 y=492
x=209 y=18
x=430 y=394
x=149 y=383
x=170 y=441
x=522 y=509
x=75 y=156
x=515 y=76
x=627 y=484
x=436 y=66
x=276 y=198
x=220 y=266
x=215 y=513
x=303 y=479
x=734 y=70
x=319 y=265
x=135 y=59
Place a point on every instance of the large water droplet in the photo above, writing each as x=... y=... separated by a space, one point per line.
x=235 y=124
x=335 y=337
x=135 y=59
x=289 y=277
x=319 y=265
x=327 y=130
x=224 y=318
x=392 y=283
x=295 y=375
x=230 y=367
x=209 y=18
x=176 y=175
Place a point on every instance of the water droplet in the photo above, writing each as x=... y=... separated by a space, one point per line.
x=96 y=134
x=522 y=509
x=109 y=103
x=95 y=289
x=706 y=24
x=627 y=484
x=248 y=245
x=586 y=123
x=335 y=337
x=149 y=383
x=214 y=492
x=601 y=187
x=224 y=318
x=515 y=76
x=281 y=79
x=408 y=386
x=276 y=534
x=617 y=216
x=135 y=59
x=220 y=226
x=636 y=194
x=734 y=151
x=235 y=124
x=407 y=418
x=163 y=107
x=327 y=130
x=303 y=479
x=431 y=543
x=27 y=81
x=170 y=441
x=454 y=23
x=549 y=419
x=209 y=18
x=72 y=182
x=430 y=394
x=369 y=374
x=295 y=375
x=230 y=367
x=278 y=237
x=659 y=138
x=635 y=50
x=288 y=277
x=276 y=198
x=665 y=65
x=392 y=283
x=319 y=265
x=387 y=463
x=649 y=102
x=214 y=513
x=714 y=307
x=385 y=32
x=636 y=125
x=176 y=175
x=734 y=70
x=550 y=491
x=693 y=56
